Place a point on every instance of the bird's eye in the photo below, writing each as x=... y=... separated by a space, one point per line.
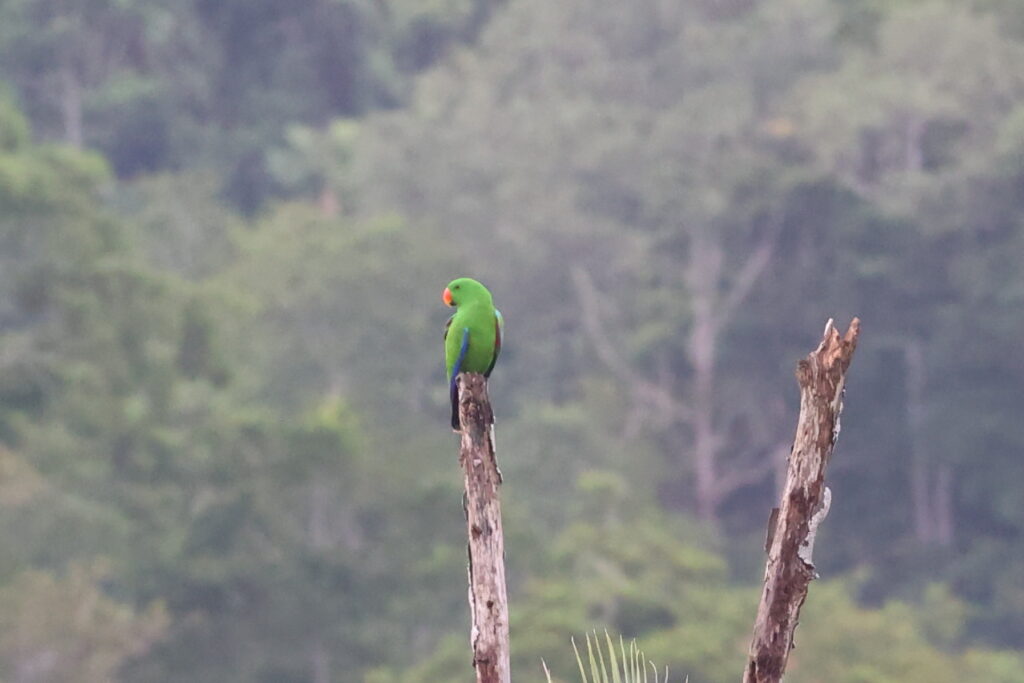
x=456 y=287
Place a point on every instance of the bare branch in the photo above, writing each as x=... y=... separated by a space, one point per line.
x=751 y=270
x=488 y=599
x=747 y=474
x=805 y=501
x=644 y=390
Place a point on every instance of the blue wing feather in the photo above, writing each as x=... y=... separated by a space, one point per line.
x=453 y=387
x=462 y=353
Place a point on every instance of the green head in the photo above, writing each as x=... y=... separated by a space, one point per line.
x=465 y=291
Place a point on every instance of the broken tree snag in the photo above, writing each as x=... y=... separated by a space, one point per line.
x=488 y=603
x=805 y=502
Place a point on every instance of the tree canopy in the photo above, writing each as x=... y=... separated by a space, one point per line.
x=224 y=229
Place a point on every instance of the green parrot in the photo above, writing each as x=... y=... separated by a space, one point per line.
x=472 y=337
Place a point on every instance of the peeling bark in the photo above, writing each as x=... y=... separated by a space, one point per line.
x=805 y=502
x=488 y=601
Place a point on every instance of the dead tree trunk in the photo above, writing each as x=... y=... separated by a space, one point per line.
x=488 y=602
x=805 y=502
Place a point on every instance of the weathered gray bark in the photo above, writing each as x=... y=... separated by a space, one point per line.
x=805 y=502
x=488 y=601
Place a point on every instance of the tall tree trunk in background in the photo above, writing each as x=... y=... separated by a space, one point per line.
x=944 y=505
x=920 y=488
x=913 y=144
x=931 y=483
x=329 y=203
x=793 y=526
x=488 y=598
x=319 y=537
x=715 y=295
x=71 y=104
x=320 y=663
x=703 y=273
x=318 y=530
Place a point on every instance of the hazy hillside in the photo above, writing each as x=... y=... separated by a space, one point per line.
x=224 y=232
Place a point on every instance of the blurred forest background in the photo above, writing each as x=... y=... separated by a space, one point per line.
x=224 y=230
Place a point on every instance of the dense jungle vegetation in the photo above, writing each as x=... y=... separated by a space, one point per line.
x=224 y=230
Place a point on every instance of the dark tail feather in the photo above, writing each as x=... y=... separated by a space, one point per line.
x=456 y=369
x=454 y=391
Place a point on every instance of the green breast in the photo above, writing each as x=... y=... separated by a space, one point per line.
x=480 y=321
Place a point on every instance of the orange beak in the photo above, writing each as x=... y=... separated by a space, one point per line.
x=447 y=297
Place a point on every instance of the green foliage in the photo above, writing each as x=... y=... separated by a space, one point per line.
x=302 y=275
x=214 y=84
x=13 y=126
x=182 y=226
x=239 y=414
x=66 y=629
x=317 y=163
x=840 y=641
x=636 y=572
x=629 y=667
